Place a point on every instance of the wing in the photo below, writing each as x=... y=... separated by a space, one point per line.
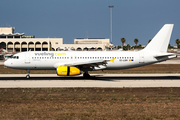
x=93 y=64
x=88 y=63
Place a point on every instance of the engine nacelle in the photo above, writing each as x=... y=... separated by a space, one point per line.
x=67 y=71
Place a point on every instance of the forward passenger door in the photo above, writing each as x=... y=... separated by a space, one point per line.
x=27 y=58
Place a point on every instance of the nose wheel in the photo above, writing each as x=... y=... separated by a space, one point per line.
x=28 y=76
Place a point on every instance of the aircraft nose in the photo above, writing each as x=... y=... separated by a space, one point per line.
x=6 y=63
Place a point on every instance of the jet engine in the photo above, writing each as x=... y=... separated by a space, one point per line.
x=67 y=71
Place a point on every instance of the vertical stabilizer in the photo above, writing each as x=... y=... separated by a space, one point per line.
x=161 y=40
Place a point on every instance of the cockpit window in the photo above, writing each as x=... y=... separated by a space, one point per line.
x=11 y=57
x=15 y=57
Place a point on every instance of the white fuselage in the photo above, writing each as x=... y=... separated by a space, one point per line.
x=52 y=59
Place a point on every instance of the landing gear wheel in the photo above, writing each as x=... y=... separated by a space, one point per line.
x=86 y=75
x=27 y=76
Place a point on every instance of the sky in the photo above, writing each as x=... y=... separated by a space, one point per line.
x=71 y=19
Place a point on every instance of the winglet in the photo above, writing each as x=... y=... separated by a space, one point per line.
x=112 y=60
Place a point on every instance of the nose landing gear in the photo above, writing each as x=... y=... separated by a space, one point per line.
x=28 y=76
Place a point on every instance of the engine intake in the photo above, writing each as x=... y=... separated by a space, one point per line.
x=67 y=71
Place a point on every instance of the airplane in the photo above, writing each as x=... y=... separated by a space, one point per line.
x=70 y=63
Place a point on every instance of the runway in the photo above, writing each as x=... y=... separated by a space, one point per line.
x=97 y=80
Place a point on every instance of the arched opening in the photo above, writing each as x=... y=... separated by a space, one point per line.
x=3 y=45
x=31 y=46
x=78 y=49
x=93 y=49
x=17 y=47
x=52 y=49
x=23 y=46
x=72 y=48
x=99 y=49
x=44 y=46
x=2 y=36
x=10 y=47
x=85 y=49
x=60 y=49
x=38 y=46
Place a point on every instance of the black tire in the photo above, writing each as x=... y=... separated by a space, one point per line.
x=86 y=75
x=27 y=76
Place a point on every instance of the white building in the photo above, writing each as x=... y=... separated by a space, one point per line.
x=18 y=42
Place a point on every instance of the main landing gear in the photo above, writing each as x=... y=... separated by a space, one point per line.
x=28 y=76
x=86 y=75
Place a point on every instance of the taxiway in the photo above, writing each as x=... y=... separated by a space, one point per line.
x=97 y=80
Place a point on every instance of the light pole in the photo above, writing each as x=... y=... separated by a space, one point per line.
x=111 y=22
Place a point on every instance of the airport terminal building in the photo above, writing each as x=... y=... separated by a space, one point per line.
x=19 y=42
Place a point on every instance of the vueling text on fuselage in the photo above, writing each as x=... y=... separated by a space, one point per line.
x=50 y=54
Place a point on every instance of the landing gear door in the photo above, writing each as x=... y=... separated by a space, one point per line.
x=27 y=58
x=141 y=58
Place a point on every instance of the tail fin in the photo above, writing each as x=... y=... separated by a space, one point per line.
x=161 y=40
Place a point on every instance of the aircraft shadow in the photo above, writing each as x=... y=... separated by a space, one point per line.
x=97 y=77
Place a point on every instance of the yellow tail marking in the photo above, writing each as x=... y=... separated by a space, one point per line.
x=112 y=60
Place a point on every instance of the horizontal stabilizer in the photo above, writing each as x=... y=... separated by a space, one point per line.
x=165 y=55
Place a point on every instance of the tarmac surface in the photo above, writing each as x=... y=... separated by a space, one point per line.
x=96 y=80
